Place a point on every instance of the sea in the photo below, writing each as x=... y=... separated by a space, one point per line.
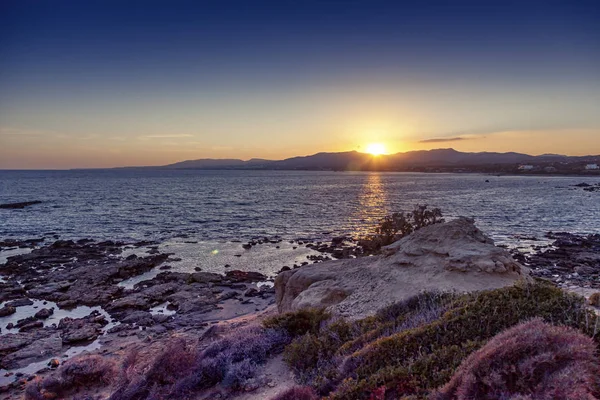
x=202 y=215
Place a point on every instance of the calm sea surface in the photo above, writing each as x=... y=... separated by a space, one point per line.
x=226 y=205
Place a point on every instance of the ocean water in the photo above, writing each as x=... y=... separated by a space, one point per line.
x=217 y=206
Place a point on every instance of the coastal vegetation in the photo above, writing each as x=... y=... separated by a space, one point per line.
x=410 y=349
x=397 y=225
x=520 y=340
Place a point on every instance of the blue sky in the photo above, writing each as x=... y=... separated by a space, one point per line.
x=109 y=83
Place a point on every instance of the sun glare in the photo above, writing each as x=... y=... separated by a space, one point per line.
x=376 y=149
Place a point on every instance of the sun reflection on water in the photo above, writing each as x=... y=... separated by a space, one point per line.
x=371 y=207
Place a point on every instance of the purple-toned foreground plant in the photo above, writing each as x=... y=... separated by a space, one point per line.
x=533 y=360
x=297 y=393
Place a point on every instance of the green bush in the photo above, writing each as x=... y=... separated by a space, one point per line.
x=409 y=349
x=397 y=225
x=298 y=322
x=416 y=361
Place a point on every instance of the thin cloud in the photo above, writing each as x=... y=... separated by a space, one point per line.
x=167 y=136
x=443 y=140
x=22 y=132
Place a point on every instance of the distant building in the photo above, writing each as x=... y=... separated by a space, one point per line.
x=526 y=167
x=590 y=167
x=550 y=169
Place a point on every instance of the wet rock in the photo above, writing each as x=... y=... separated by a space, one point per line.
x=571 y=260
x=227 y=295
x=20 y=349
x=31 y=326
x=161 y=318
x=122 y=327
x=54 y=363
x=22 y=322
x=19 y=303
x=75 y=330
x=251 y=293
x=205 y=277
x=140 y=318
x=44 y=313
x=245 y=276
x=7 y=310
x=19 y=205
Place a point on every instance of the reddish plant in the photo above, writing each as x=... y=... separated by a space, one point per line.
x=378 y=394
x=297 y=393
x=531 y=360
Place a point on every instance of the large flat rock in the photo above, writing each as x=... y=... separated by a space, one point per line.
x=451 y=256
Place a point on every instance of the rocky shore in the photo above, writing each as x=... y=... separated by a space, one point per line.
x=66 y=276
x=67 y=296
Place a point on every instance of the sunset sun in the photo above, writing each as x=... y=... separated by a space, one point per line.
x=375 y=149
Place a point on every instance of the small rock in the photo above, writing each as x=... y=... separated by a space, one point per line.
x=7 y=310
x=44 y=313
x=19 y=303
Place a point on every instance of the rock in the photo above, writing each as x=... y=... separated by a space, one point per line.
x=30 y=326
x=251 y=293
x=7 y=310
x=28 y=347
x=245 y=276
x=88 y=328
x=54 y=363
x=44 y=313
x=452 y=256
x=19 y=205
x=140 y=318
x=205 y=277
x=20 y=303
x=338 y=240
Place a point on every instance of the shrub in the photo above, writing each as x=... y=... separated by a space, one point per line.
x=533 y=360
x=88 y=371
x=84 y=371
x=299 y=322
x=171 y=365
x=594 y=299
x=182 y=370
x=416 y=360
x=297 y=393
x=397 y=225
x=415 y=311
x=239 y=373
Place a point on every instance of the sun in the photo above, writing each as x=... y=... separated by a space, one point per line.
x=376 y=149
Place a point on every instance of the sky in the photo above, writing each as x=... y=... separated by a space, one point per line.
x=86 y=84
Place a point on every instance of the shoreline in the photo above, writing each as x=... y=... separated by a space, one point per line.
x=153 y=309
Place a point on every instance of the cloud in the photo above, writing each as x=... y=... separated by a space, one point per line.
x=167 y=136
x=6 y=131
x=443 y=140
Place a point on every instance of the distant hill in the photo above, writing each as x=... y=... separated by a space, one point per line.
x=443 y=159
x=210 y=163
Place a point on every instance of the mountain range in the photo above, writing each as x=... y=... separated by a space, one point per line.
x=412 y=160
